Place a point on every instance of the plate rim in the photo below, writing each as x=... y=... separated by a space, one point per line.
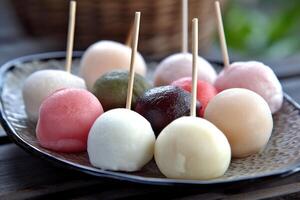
x=123 y=176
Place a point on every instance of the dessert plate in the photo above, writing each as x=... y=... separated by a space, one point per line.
x=280 y=157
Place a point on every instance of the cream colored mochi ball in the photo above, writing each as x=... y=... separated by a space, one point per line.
x=192 y=148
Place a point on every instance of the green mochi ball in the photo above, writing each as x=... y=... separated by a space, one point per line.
x=111 y=89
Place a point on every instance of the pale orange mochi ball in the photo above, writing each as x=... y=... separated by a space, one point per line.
x=244 y=117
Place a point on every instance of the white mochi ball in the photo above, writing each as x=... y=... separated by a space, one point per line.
x=41 y=84
x=192 y=148
x=120 y=140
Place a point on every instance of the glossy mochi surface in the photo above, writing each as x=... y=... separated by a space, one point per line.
x=161 y=105
x=205 y=91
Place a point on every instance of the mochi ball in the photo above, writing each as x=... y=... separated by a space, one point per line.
x=120 y=140
x=205 y=91
x=104 y=56
x=192 y=148
x=180 y=65
x=244 y=117
x=161 y=105
x=254 y=76
x=41 y=84
x=111 y=89
x=65 y=120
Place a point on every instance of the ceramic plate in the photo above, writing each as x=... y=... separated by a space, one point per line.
x=280 y=157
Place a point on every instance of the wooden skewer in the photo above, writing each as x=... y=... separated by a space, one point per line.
x=222 y=35
x=184 y=26
x=195 y=66
x=71 y=30
x=134 y=45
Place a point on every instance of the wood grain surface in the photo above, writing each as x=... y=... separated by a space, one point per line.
x=23 y=176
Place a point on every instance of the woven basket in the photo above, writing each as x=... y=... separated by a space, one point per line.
x=160 y=32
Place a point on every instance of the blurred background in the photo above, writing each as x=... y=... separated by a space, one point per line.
x=255 y=29
x=266 y=29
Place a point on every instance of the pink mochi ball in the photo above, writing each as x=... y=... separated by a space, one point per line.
x=253 y=76
x=179 y=65
x=65 y=119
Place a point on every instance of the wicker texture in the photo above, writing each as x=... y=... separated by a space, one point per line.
x=160 y=32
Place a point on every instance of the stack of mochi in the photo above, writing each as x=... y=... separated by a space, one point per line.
x=192 y=121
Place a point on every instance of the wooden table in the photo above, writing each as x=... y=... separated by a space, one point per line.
x=23 y=176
